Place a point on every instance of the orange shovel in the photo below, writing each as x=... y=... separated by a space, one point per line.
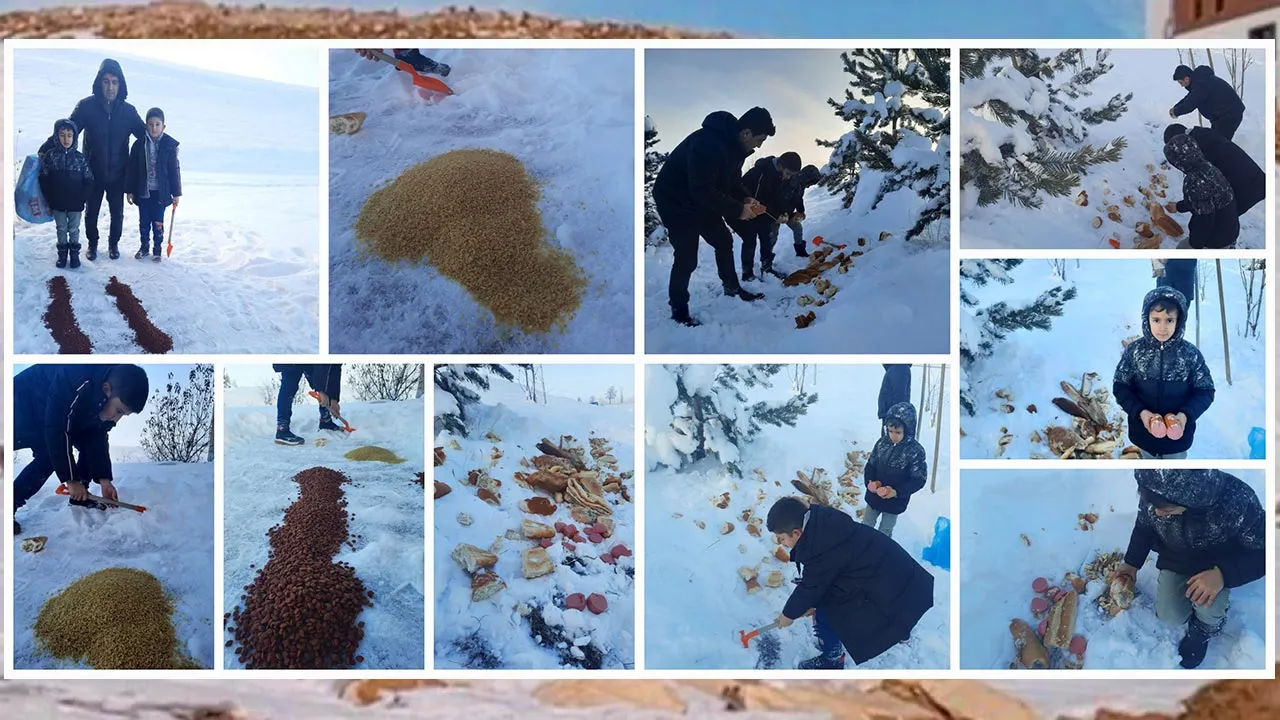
x=819 y=240
x=746 y=637
x=346 y=426
x=424 y=83
x=62 y=490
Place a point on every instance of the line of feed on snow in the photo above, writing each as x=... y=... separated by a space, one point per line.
x=564 y=573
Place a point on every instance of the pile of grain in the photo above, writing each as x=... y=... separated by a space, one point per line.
x=301 y=610
x=197 y=20
x=114 y=619
x=375 y=454
x=473 y=215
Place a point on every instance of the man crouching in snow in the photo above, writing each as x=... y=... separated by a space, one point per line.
x=1209 y=532
x=58 y=408
x=868 y=593
x=324 y=379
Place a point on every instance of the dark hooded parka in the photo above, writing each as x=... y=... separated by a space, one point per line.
x=107 y=127
x=1247 y=179
x=1163 y=377
x=902 y=467
x=1206 y=194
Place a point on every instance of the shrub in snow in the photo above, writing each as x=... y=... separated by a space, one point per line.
x=654 y=233
x=386 y=381
x=180 y=426
x=456 y=387
x=697 y=411
x=981 y=329
x=1024 y=127
x=899 y=103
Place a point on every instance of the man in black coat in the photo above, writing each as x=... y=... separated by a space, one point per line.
x=63 y=414
x=1248 y=181
x=895 y=387
x=700 y=185
x=766 y=181
x=1179 y=274
x=107 y=121
x=867 y=592
x=323 y=379
x=1209 y=532
x=1212 y=96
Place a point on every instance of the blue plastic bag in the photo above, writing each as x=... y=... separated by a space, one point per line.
x=27 y=198
x=1257 y=444
x=939 y=551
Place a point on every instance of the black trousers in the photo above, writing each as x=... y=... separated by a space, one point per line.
x=1227 y=125
x=1214 y=231
x=683 y=232
x=758 y=230
x=114 y=192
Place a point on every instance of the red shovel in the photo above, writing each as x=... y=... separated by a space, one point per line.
x=345 y=425
x=62 y=490
x=746 y=637
x=424 y=83
x=168 y=251
x=820 y=241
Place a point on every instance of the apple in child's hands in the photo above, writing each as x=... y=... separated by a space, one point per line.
x=874 y=485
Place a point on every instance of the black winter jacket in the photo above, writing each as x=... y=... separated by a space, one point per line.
x=702 y=177
x=107 y=128
x=1248 y=181
x=65 y=177
x=871 y=590
x=1211 y=95
x=764 y=183
x=1224 y=526
x=168 y=173
x=895 y=387
x=1205 y=189
x=902 y=467
x=55 y=409
x=1168 y=377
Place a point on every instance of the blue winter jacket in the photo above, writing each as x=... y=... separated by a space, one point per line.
x=56 y=408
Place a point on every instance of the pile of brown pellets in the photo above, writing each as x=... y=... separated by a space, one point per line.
x=473 y=214
x=300 y=612
x=114 y=619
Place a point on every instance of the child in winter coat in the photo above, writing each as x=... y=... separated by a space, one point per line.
x=792 y=212
x=153 y=182
x=324 y=379
x=65 y=180
x=1209 y=532
x=61 y=408
x=1162 y=381
x=896 y=469
x=1206 y=194
x=865 y=591
x=766 y=182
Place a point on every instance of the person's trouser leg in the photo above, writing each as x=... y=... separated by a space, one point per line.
x=61 y=221
x=92 y=207
x=1227 y=126
x=887 y=523
x=717 y=235
x=31 y=479
x=73 y=229
x=289 y=379
x=828 y=641
x=115 y=205
x=1172 y=605
x=1226 y=227
x=870 y=515
x=684 y=243
x=797 y=232
x=768 y=237
x=748 y=232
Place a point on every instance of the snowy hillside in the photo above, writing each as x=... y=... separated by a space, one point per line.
x=695 y=614
x=917 y=321
x=567 y=115
x=535 y=621
x=383 y=502
x=1013 y=390
x=1019 y=527
x=1061 y=222
x=172 y=540
x=243 y=276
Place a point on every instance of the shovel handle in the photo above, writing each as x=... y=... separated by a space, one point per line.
x=63 y=490
x=345 y=425
x=420 y=80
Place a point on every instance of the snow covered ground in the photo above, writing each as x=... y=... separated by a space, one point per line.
x=517 y=425
x=998 y=509
x=694 y=614
x=172 y=540
x=244 y=274
x=568 y=115
x=385 y=500
x=1087 y=338
x=1060 y=223
x=895 y=299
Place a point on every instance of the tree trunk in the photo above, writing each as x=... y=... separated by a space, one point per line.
x=937 y=436
x=1226 y=347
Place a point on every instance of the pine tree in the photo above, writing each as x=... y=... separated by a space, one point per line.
x=462 y=382
x=981 y=330
x=652 y=164
x=1027 y=128
x=899 y=103
x=714 y=416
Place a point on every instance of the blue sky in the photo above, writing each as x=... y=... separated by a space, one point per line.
x=1058 y=19
x=683 y=86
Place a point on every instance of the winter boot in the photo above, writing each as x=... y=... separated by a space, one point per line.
x=769 y=269
x=73 y=261
x=743 y=294
x=825 y=661
x=113 y=250
x=1194 y=644
x=62 y=257
x=801 y=251
x=326 y=420
x=748 y=275
x=285 y=437
x=92 y=253
x=682 y=316
x=141 y=254
x=422 y=63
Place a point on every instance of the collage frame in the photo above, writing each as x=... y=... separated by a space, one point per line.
x=639 y=360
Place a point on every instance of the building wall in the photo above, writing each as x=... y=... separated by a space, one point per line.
x=1160 y=17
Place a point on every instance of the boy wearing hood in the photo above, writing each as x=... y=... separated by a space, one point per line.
x=867 y=593
x=1162 y=380
x=153 y=182
x=1209 y=532
x=66 y=181
x=63 y=413
x=1214 y=97
x=766 y=182
x=1206 y=194
x=107 y=121
x=700 y=185
x=896 y=469
x=1247 y=179
x=792 y=210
